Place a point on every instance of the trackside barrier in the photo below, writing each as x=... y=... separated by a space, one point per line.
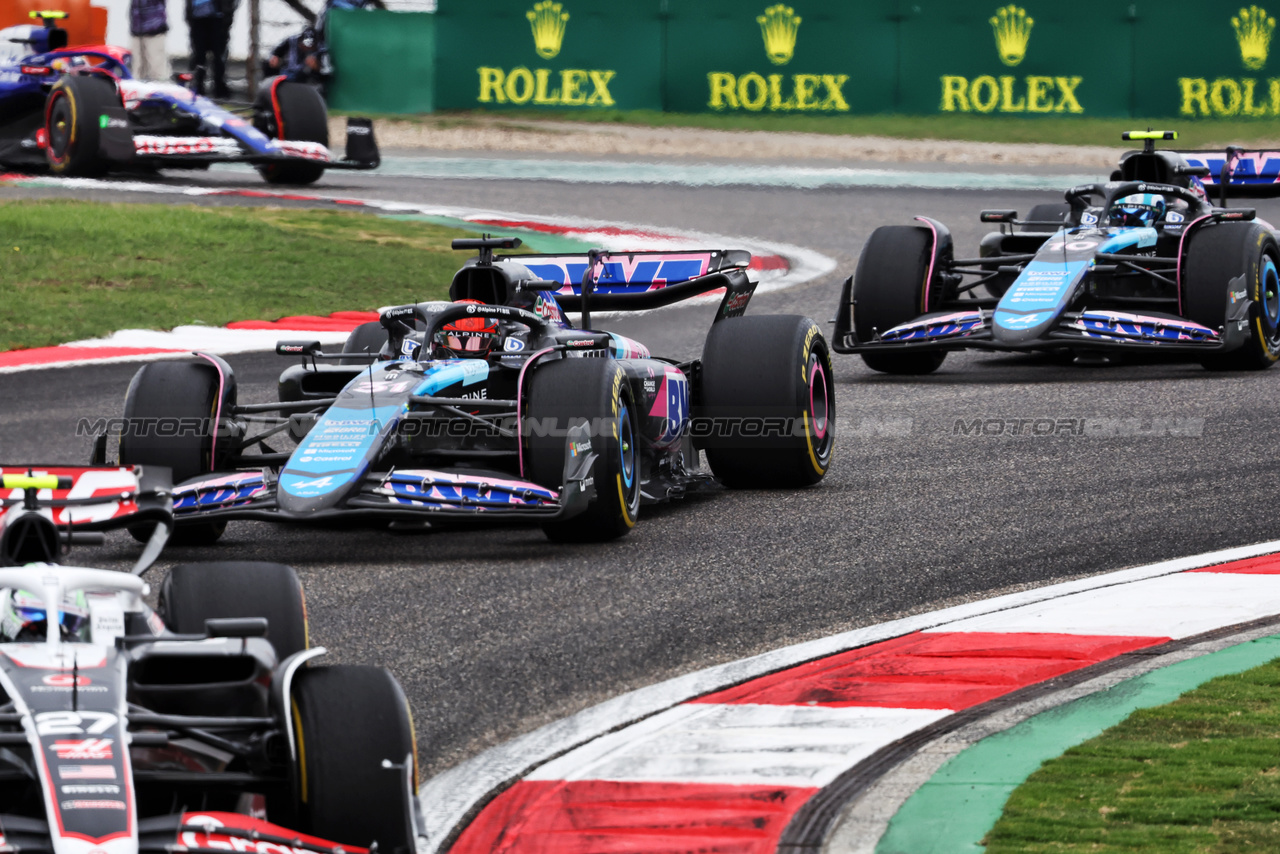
x=1200 y=59
x=384 y=62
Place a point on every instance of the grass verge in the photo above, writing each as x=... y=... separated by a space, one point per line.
x=71 y=270
x=1201 y=774
x=997 y=129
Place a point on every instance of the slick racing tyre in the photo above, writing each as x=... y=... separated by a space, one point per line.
x=174 y=416
x=71 y=124
x=365 y=338
x=293 y=111
x=1040 y=215
x=767 y=402
x=1227 y=262
x=570 y=392
x=888 y=289
x=349 y=721
x=195 y=592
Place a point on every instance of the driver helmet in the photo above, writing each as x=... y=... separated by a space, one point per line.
x=1139 y=209
x=22 y=616
x=467 y=337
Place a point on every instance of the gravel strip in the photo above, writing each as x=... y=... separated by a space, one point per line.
x=549 y=137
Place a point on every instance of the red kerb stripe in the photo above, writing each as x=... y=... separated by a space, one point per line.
x=592 y=816
x=1264 y=565
x=943 y=670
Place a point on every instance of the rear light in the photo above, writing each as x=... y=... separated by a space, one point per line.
x=37 y=70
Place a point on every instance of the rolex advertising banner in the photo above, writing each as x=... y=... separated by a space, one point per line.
x=1201 y=59
x=1228 y=72
x=588 y=54
x=1028 y=59
x=817 y=58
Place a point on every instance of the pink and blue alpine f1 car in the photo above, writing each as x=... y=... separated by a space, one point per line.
x=1143 y=262
x=495 y=407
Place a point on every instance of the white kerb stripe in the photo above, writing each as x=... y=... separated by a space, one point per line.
x=745 y=744
x=1175 y=606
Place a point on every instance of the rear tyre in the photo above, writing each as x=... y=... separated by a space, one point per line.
x=173 y=411
x=365 y=338
x=349 y=720
x=771 y=372
x=292 y=111
x=71 y=124
x=889 y=288
x=195 y=592
x=1217 y=256
x=1055 y=213
x=570 y=392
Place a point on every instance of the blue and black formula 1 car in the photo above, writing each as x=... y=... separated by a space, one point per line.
x=1143 y=262
x=495 y=407
x=77 y=111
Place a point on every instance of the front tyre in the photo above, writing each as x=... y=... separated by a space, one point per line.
x=356 y=769
x=594 y=392
x=366 y=338
x=890 y=287
x=195 y=592
x=175 y=414
x=292 y=111
x=767 y=402
x=71 y=124
x=1226 y=263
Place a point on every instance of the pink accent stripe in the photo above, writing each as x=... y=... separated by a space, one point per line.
x=217 y=415
x=1182 y=242
x=932 y=254
x=597 y=816
x=934 y=670
x=519 y=396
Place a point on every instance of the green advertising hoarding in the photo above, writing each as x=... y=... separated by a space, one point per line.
x=803 y=57
x=360 y=40
x=1200 y=59
x=1035 y=58
x=554 y=54
x=1229 y=70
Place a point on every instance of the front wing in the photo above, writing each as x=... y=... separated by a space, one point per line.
x=1097 y=329
x=417 y=494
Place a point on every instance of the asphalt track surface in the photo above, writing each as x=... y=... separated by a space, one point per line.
x=496 y=632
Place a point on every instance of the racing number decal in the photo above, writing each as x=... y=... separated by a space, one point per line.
x=74 y=723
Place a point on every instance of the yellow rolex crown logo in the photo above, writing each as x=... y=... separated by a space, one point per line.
x=548 y=22
x=1253 y=32
x=1013 y=29
x=778 y=25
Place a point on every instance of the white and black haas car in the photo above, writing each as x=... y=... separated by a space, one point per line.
x=1142 y=263
x=494 y=407
x=199 y=726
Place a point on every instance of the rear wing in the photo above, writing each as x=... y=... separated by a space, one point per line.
x=46 y=510
x=1235 y=171
x=639 y=281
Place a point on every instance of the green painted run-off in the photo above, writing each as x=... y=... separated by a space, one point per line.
x=958 y=806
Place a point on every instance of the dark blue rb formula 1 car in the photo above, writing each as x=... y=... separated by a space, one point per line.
x=1144 y=262
x=78 y=111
